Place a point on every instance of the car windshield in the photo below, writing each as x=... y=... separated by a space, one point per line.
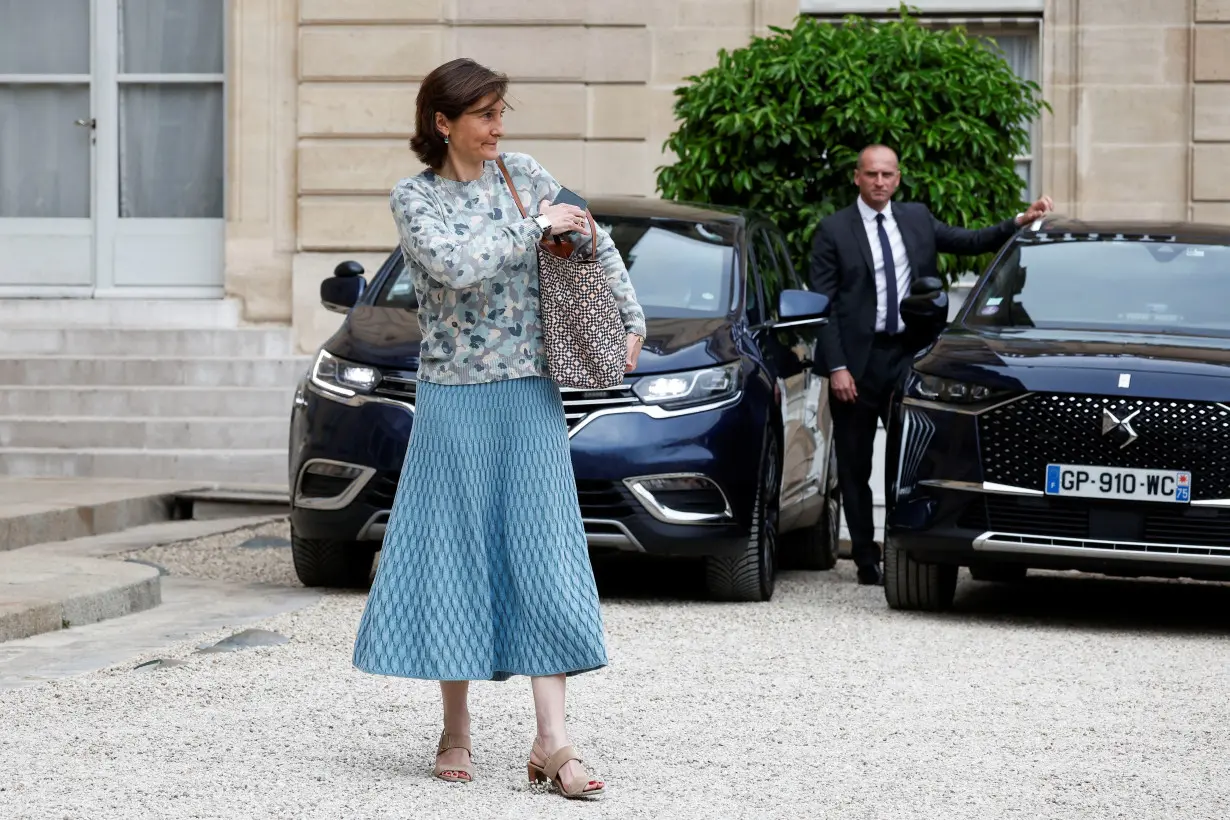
x=1110 y=284
x=679 y=269
x=398 y=290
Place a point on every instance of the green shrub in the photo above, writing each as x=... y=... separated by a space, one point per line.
x=777 y=125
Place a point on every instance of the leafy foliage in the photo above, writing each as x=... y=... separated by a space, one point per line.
x=777 y=125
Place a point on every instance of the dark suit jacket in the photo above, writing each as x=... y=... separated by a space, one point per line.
x=843 y=269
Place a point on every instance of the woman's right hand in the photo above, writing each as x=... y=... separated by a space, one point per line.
x=564 y=218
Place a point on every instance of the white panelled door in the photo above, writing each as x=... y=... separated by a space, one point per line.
x=46 y=155
x=112 y=143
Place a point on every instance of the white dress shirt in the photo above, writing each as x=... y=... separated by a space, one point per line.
x=900 y=262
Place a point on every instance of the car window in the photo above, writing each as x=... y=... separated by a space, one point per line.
x=679 y=268
x=790 y=275
x=1107 y=284
x=398 y=289
x=769 y=269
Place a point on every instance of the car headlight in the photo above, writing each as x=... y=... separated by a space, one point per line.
x=689 y=387
x=936 y=388
x=341 y=377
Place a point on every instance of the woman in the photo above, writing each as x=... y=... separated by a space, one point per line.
x=484 y=572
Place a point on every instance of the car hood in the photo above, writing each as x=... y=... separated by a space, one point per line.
x=685 y=344
x=1127 y=364
x=379 y=336
x=389 y=337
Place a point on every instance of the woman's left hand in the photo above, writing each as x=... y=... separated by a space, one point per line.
x=579 y=222
x=634 y=351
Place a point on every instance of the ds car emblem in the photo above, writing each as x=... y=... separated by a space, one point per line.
x=1119 y=429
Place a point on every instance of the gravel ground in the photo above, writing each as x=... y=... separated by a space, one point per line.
x=222 y=558
x=1065 y=697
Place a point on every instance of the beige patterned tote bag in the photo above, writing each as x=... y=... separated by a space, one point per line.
x=584 y=333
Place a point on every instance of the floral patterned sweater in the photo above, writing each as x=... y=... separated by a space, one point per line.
x=474 y=264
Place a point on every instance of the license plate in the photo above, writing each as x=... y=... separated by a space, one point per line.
x=1080 y=481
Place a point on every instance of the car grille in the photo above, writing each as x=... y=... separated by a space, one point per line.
x=1071 y=518
x=397 y=385
x=1020 y=438
x=400 y=386
x=917 y=431
x=580 y=403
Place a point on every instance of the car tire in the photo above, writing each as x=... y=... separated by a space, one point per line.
x=339 y=564
x=751 y=575
x=910 y=584
x=999 y=573
x=816 y=547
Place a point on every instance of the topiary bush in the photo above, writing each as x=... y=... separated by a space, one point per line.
x=777 y=125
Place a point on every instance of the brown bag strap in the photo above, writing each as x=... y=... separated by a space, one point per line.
x=512 y=188
x=593 y=229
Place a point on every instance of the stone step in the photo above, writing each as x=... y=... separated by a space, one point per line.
x=222 y=371
x=264 y=466
x=162 y=402
x=232 y=502
x=241 y=342
x=43 y=510
x=185 y=433
x=38 y=595
x=120 y=313
x=81 y=580
x=188 y=607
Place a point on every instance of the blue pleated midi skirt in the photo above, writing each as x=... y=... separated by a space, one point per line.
x=484 y=572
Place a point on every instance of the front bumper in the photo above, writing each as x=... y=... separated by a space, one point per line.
x=369 y=438
x=706 y=511
x=942 y=509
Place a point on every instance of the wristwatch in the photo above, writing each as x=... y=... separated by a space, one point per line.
x=544 y=222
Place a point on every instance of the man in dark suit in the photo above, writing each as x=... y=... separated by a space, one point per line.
x=864 y=258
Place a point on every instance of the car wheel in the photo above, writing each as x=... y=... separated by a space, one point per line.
x=913 y=584
x=325 y=563
x=751 y=575
x=816 y=547
x=999 y=573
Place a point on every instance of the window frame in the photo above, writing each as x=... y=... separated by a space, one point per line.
x=794 y=279
x=754 y=278
x=771 y=305
x=830 y=7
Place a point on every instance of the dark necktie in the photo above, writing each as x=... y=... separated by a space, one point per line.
x=890 y=276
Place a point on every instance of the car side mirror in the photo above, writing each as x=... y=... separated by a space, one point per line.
x=925 y=311
x=797 y=308
x=926 y=284
x=341 y=292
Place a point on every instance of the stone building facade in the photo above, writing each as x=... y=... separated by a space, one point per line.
x=319 y=98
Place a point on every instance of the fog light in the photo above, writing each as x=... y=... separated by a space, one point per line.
x=334 y=470
x=658 y=485
x=681 y=498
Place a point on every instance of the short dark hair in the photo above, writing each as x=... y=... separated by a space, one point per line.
x=450 y=89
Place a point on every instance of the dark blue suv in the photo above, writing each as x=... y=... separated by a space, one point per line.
x=719 y=441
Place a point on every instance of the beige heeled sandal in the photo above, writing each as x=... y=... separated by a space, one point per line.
x=457 y=772
x=581 y=787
